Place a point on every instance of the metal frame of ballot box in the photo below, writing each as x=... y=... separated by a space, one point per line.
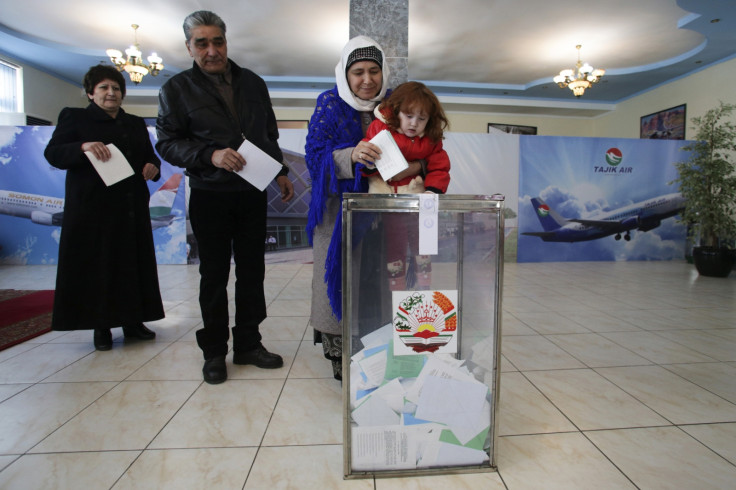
x=421 y=336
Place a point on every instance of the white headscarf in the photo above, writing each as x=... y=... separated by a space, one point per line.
x=343 y=88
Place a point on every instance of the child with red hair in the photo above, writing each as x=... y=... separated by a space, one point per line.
x=415 y=118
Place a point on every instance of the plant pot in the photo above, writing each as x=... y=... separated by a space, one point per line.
x=713 y=262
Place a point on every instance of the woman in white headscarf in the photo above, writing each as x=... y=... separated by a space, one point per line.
x=333 y=151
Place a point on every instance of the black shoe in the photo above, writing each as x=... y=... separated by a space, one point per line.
x=103 y=339
x=259 y=357
x=214 y=370
x=140 y=332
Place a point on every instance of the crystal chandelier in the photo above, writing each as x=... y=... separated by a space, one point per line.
x=134 y=64
x=582 y=77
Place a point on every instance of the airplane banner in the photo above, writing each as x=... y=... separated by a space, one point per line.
x=599 y=199
x=32 y=202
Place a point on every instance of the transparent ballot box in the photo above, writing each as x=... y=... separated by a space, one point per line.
x=421 y=317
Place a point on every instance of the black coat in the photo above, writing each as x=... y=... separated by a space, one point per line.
x=194 y=121
x=106 y=275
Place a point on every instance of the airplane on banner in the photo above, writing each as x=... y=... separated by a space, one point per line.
x=46 y=210
x=643 y=216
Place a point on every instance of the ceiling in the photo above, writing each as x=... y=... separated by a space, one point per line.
x=477 y=55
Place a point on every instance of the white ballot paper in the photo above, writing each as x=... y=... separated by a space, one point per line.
x=115 y=169
x=260 y=168
x=392 y=161
x=384 y=448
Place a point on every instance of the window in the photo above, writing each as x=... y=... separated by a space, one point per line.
x=11 y=87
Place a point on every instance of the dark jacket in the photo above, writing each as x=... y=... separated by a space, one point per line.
x=106 y=276
x=194 y=121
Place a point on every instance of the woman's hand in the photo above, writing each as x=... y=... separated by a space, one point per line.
x=366 y=153
x=149 y=171
x=98 y=149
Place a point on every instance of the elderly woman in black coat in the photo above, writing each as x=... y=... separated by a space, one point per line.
x=106 y=275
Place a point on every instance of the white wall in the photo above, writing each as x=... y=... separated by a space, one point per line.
x=700 y=91
x=45 y=96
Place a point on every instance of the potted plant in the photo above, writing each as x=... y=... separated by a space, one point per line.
x=707 y=181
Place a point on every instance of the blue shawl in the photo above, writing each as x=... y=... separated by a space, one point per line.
x=333 y=126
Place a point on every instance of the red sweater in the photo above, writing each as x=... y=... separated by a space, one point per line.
x=417 y=148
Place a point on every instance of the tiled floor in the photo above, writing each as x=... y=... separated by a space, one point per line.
x=614 y=375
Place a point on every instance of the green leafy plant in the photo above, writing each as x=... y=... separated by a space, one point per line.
x=707 y=179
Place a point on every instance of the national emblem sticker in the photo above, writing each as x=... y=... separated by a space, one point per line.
x=425 y=322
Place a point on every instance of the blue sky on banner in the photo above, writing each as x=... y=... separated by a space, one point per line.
x=583 y=177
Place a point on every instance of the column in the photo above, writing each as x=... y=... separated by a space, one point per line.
x=387 y=22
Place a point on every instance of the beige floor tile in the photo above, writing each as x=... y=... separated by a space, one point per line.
x=644 y=319
x=705 y=342
x=127 y=417
x=596 y=351
x=180 y=294
x=718 y=378
x=310 y=362
x=300 y=290
x=686 y=318
x=82 y=336
x=16 y=350
x=655 y=348
x=30 y=416
x=506 y=365
x=599 y=321
x=510 y=325
x=231 y=414
x=66 y=471
x=284 y=328
x=178 y=361
x=6 y=391
x=556 y=461
x=318 y=467
x=593 y=402
x=549 y=322
x=44 y=338
x=191 y=335
x=536 y=353
x=188 y=309
x=718 y=437
x=521 y=303
x=293 y=307
x=646 y=455
x=726 y=333
x=6 y=460
x=309 y=411
x=468 y=481
x=674 y=398
x=114 y=365
x=172 y=328
x=176 y=469
x=723 y=313
x=41 y=362
x=524 y=410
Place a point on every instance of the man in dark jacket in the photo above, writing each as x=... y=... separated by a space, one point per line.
x=204 y=115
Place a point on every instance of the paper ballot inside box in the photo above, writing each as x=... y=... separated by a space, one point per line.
x=392 y=161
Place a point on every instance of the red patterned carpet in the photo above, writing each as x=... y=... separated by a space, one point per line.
x=24 y=315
